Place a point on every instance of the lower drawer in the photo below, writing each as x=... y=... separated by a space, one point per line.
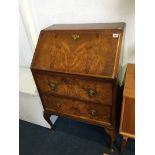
x=90 y=112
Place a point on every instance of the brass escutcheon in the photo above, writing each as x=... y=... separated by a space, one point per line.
x=75 y=36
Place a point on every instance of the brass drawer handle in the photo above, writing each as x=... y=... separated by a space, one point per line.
x=52 y=85
x=75 y=36
x=91 y=92
x=58 y=104
x=93 y=112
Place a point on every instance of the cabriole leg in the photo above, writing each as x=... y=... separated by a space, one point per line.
x=123 y=144
x=112 y=134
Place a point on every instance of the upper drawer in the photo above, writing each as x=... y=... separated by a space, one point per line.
x=82 y=52
x=83 y=89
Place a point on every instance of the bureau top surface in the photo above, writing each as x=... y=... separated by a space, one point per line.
x=93 y=26
x=85 y=49
x=129 y=87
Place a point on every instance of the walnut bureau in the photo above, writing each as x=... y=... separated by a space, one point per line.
x=127 y=123
x=75 y=68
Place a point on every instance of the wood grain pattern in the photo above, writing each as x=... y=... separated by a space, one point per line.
x=95 y=112
x=76 y=88
x=75 y=68
x=93 y=53
x=127 y=123
x=91 y=26
x=129 y=87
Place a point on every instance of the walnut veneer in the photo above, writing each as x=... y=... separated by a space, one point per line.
x=75 y=68
x=127 y=124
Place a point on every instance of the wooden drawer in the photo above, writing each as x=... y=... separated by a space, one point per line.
x=91 y=112
x=87 y=90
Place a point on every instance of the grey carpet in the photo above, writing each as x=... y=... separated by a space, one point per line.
x=69 y=138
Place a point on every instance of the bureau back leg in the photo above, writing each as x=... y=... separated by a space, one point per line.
x=47 y=118
x=123 y=144
x=112 y=134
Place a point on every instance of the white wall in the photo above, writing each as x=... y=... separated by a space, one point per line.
x=30 y=107
x=45 y=13
x=38 y=14
x=25 y=54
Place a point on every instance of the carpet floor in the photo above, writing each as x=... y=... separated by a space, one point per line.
x=69 y=138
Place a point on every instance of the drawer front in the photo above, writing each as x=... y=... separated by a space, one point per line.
x=87 y=90
x=84 y=52
x=128 y=121
x=91 y=112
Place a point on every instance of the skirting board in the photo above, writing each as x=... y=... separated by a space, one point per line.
x=31 y=110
